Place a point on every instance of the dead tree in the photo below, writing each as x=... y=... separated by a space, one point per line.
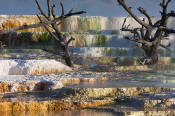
x=150 y=34
x=57 y=35
x=50 y=23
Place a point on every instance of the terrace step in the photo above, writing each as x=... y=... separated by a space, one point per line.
x=74 y=23
x=113 y=52
x=97 y=98
x=90 y=52
x=44 y=40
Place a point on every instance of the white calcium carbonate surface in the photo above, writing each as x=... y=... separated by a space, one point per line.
x=26 y=67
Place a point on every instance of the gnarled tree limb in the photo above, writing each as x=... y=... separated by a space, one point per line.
x=150 y=41
x=40 y=24
x=49 y=9
x=123 y=4
x=51 y=22
x=40 y=9
x=146 y=14
x=62 y=8
x=58 y=36
x=139 y=41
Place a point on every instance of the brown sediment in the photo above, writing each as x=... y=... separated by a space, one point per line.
x=79 y=98
x=16 y=86
x=4 y=87
x=78 y=80
x=20 y=21
x=49 y=71
x=14 y=21
x=56 y=105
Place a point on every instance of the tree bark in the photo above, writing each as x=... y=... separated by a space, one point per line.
x=67 y=56
x=150 y=34
x=151 y=54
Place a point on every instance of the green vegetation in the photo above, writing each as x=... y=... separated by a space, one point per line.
x=24 y=36
x=86 y=24
x=100 y=41
x=43 y=37
x=172 y=60
x=121 y=52
x=108 y=51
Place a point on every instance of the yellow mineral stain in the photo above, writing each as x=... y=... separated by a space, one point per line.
x=37 y=106
x=19 y=108
x=47 y=71
x=77 y=80
x=133 y=68
x=13 y=21
x=4 y=87
x=95 y=103
x=6 y=106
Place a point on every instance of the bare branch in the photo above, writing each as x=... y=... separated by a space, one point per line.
x=49 y=9
x=167 y=30
x=40 y=24
x=58 y=36
x=171 y=14
x=123 y=26
x=168 y=2
x=122 y=3
x=157 y=24
x=71 y=39
x=150 y=42
x=142 y=30
x=53 y=35
x=62 y=8
x=40 y=9
x=135 y=31
x=164 y=4
x=146 y=14
x=53 y=11
x=140 y=41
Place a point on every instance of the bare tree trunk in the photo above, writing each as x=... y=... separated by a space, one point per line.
x=151 y=55
x=67 y=56
x=150 y=34
x=52 y=22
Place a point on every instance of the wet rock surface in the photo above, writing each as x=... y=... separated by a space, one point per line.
x=97 y=87
x=111 y=101
x=86 y=91
x=107 y=79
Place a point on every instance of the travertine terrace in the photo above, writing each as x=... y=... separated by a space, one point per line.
x=107 y=78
